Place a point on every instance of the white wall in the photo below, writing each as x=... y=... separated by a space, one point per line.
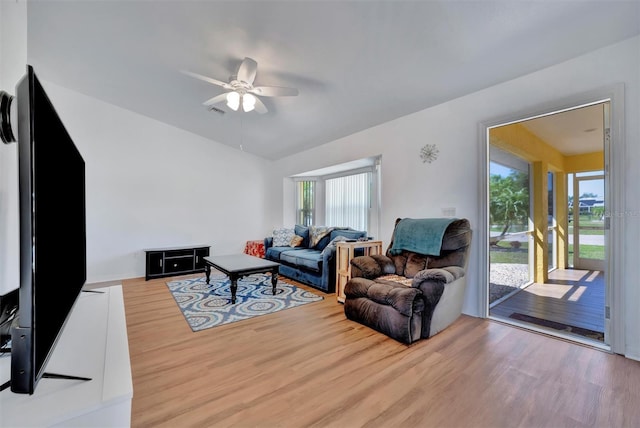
x=13 y=59
x=411 y=188
x=148 y=184
x=152 y=185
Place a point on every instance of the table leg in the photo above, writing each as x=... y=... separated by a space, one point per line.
x=234 y=288
x=207 y=272
x=274 y=280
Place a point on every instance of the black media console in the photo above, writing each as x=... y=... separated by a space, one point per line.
x=172 y=261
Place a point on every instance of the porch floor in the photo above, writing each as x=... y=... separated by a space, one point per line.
x=571 y=296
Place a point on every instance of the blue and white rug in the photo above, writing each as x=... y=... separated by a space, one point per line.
x=209 y=305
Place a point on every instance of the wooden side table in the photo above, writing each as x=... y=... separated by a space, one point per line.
x=344 y=253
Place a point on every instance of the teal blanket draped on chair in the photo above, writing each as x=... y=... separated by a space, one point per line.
x=422 y=236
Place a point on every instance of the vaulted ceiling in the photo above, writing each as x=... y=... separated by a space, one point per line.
x=356 y=64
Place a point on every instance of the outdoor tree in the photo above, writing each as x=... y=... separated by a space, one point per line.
x=509 y=200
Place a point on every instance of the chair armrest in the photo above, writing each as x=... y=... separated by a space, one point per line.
x=444 y=275
x=268 y=242
x=371 y=267
x=432 y=282
x=405 y=300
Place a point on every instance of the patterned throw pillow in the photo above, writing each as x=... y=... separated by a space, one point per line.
x=316 y=233
x=282 y=237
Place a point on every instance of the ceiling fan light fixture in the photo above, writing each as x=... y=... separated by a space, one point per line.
x=248 y=102
x=241 y=89
x=233 y=100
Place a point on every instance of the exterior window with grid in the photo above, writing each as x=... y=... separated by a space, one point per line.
x=305 y=210
x=348 y=201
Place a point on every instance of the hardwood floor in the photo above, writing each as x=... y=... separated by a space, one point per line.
x=570 y=296
x=310 y=366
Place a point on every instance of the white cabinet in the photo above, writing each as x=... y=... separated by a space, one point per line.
x=93 y=344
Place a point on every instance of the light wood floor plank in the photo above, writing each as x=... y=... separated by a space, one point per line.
x=311 y=367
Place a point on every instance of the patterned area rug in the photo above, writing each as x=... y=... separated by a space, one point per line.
x=209 y=305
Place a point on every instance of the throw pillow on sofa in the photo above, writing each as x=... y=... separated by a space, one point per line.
x=282 y=237
x=334 y=241
x=303 y=231
x=316 y=233
x=296 y=241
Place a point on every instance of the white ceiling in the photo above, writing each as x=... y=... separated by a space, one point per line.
x=572 y=132
x=356 y=64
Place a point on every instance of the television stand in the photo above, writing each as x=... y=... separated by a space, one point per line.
x=93 y=343
x=173 y=261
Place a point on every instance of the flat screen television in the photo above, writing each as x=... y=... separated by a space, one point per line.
x=52 y=232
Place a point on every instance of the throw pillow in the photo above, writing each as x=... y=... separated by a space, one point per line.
x=296 y=241
x=282 y=237
x=316 y=233
x=332 y=245
x=303 y=231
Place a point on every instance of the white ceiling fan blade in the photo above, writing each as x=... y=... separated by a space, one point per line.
x=274 y=91
x=215 y=100
x=207 y=79
x=247 y=71
x=260 y=107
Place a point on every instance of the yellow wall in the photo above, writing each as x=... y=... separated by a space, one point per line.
x=585 y=162
x=519 y=141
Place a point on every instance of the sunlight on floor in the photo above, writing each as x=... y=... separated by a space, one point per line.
x=593 y=276
x=575 y=296
x=556 y=291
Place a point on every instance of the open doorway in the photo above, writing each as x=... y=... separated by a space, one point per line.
x=547 y=224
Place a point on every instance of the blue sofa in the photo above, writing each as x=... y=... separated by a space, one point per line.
x=315 y=266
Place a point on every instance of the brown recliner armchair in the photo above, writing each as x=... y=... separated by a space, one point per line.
x=417 y=289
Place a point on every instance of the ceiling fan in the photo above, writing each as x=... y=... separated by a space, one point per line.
x=241 y=89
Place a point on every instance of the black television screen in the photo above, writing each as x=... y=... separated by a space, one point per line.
x=52 y=232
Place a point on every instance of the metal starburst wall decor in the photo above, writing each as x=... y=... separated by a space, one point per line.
x=429 y=153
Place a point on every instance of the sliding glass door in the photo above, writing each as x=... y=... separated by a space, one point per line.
x=588 y=221
x=510 y=237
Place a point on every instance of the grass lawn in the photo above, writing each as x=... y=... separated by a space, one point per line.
x=587 y=231
x=505 y=254
x=589 y=251
x=521 y=257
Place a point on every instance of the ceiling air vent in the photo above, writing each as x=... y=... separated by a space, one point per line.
x=216 y=110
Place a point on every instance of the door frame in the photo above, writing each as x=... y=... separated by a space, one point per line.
x=614 y=155
x=578 y=261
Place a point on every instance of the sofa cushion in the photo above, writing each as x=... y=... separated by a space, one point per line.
x=396 y=279
x=275 y=253
x=347 y=233
x=415 y=263
x=303 y=231
x=303 y=257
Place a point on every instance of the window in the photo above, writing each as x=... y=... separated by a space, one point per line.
x=348 y=200
x=341 y=195
x=305 y=202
